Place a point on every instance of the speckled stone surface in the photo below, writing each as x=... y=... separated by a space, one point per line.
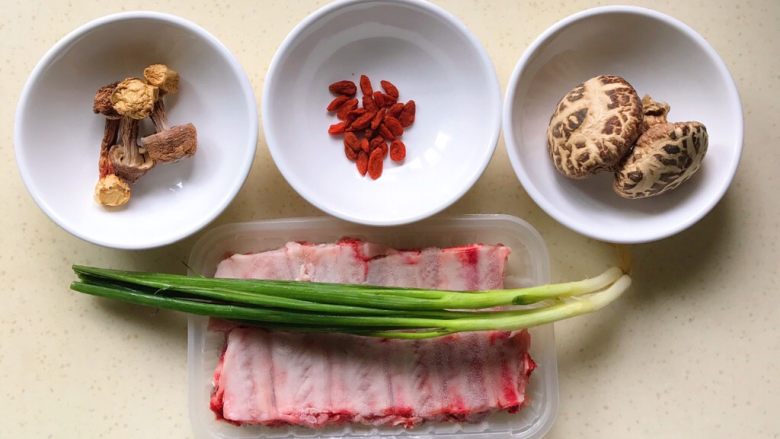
x=691 y=352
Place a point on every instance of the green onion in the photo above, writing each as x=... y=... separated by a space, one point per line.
x=354 y=309
x=360 y=295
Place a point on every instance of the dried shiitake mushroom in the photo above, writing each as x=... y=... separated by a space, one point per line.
x=653 y=112
x=594 y=126
x=665 y=155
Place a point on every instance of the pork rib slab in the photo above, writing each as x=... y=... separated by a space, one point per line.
x=273 y=378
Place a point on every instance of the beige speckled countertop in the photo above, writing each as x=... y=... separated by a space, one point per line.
x=692 y=351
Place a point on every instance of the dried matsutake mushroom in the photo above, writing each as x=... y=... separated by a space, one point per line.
x=102 y=102
x=109 y=139
x=128 y=160
x=168 y=143
x=594 y=126
x=124 y=104
x=665 y=156
x=102 y=105
x=134 y=98
x=112 y=191
x=162 y=77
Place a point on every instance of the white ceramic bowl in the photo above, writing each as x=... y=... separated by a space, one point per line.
x=432 y=58
x=57 y=136
x=658 y=55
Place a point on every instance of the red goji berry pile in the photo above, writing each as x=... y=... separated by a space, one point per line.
x=367 y=130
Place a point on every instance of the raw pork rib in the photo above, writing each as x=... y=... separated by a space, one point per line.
x=276 y=378
x=470 y=267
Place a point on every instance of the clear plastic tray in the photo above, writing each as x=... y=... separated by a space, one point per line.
x=528 y=265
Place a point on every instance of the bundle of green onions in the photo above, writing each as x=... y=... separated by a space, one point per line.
x=355 y=309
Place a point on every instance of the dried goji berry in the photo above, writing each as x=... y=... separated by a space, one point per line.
x=368 y=103
x=380 y=116
x=394 y=126
x=390 y=89
x=346 y=108
x=351 y=140
x=365 y=85
x=389 y=100
x=375 y=164
x=363 y=121
x=350 y=153
x=347 y=88
x=337 y=128
x=379 y=99
x=357 y=112
x=337 y=103
x=348 y=119
x=385 y=132
x=407 y=114
x=397 y=151
x=395 y=109
x=376 y=142
x=362 y=162
x=368 y=130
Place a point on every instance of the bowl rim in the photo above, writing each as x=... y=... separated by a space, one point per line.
x=529 y=185
x=73 y=36
x=493 y=88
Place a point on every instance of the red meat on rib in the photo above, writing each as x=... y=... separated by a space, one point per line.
x=275 y=378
